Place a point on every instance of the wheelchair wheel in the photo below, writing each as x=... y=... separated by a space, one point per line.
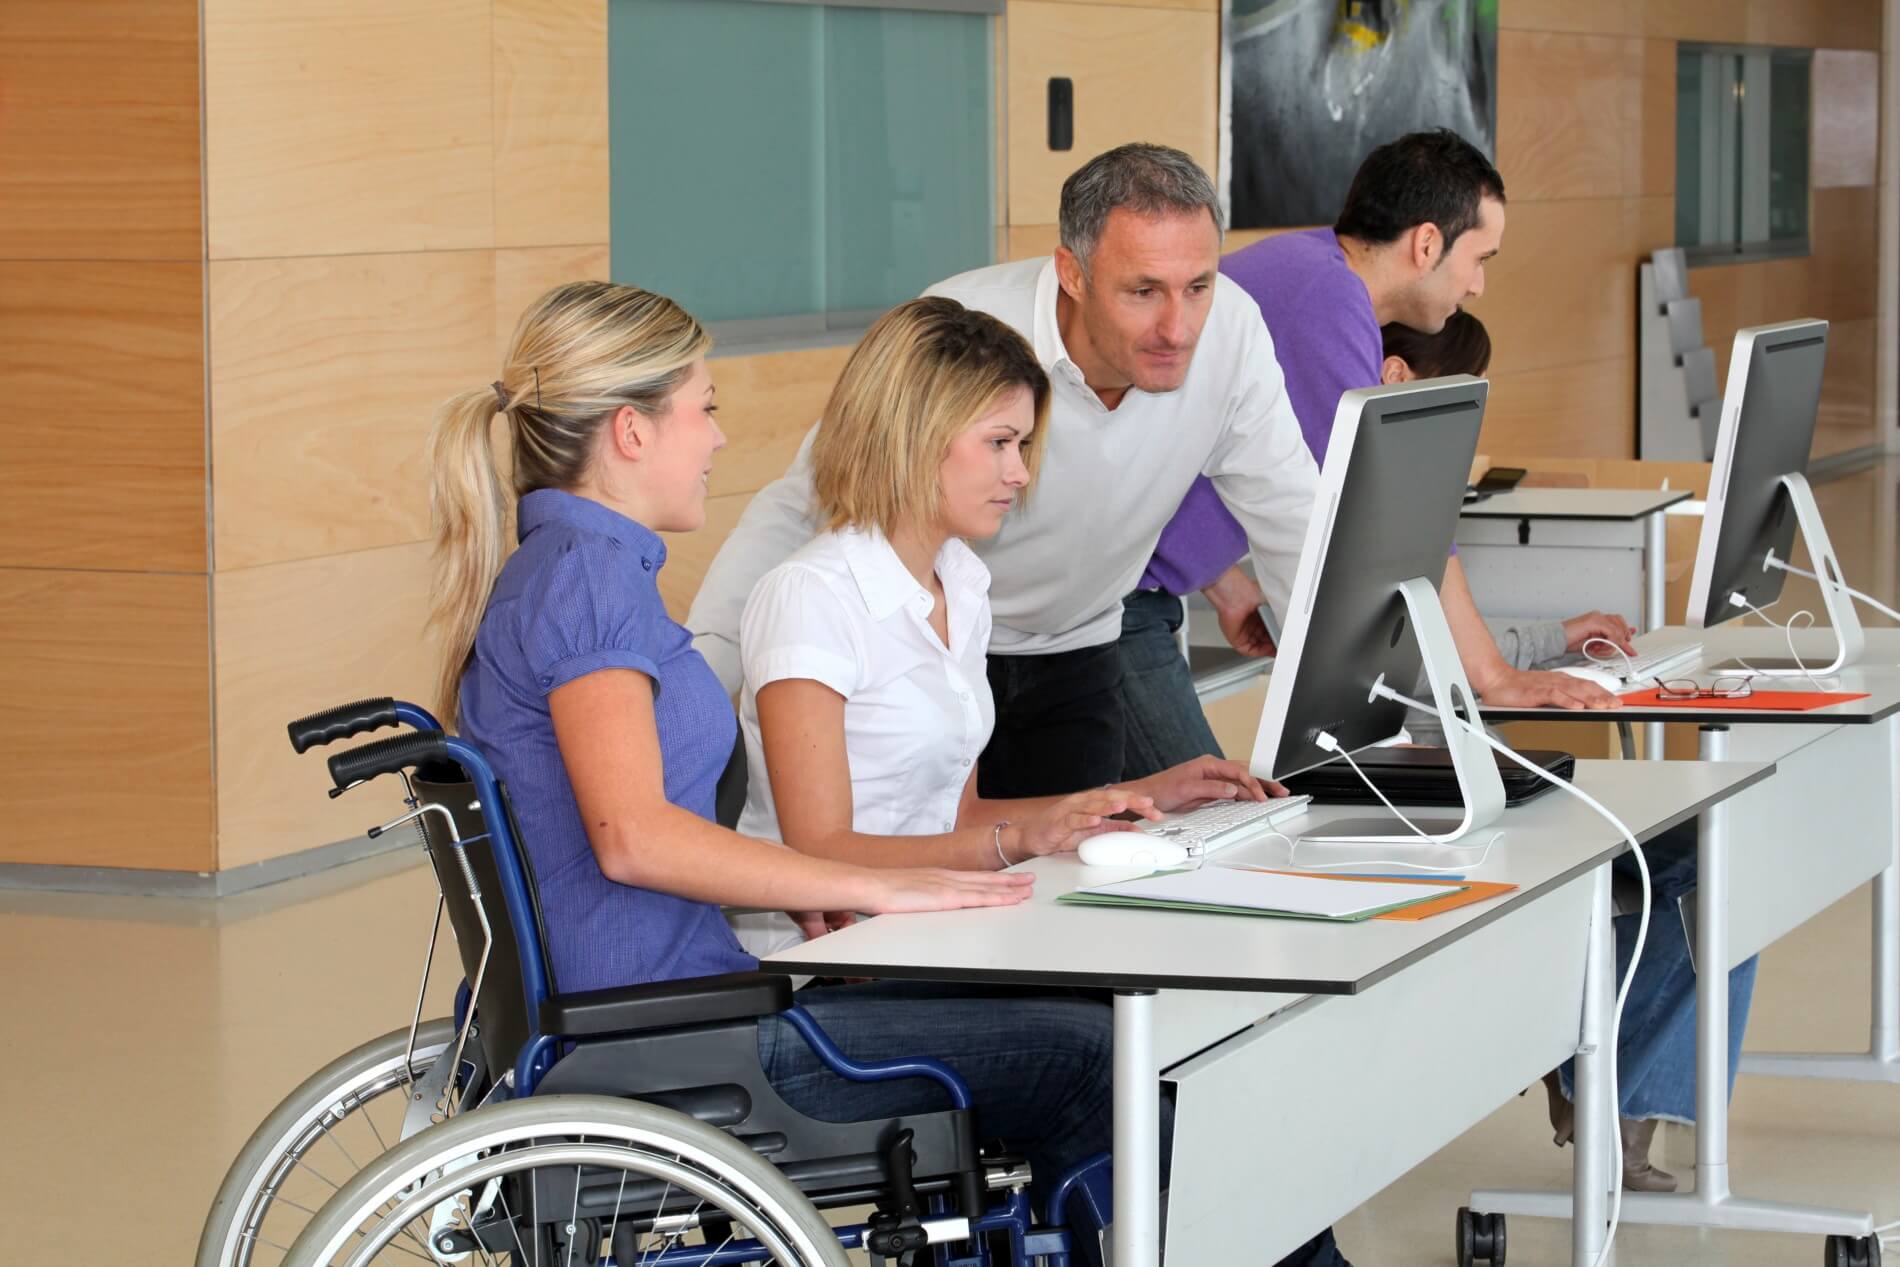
x=345 y=1114
x=569 y=1179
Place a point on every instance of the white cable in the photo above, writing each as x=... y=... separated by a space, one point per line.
x=1849 y=590
x=1642 y=928
x=1787 y=630
x=1629 y=665
x=1325 y=741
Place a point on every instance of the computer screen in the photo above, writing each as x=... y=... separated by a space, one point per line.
x=1389 y=497
x=1767 y=429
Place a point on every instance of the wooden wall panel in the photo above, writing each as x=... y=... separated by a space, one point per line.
x=1658 y=124
x=1600 y=17
x=104 y=464
x=1582 y=250
x=550 y=86
x=1815 y=23
x=689 y=554
x=1846 y=418
x=99 y=130
x=1108 y=50
x=346 y=126
x=1582 y=410
x=293 y=638
x=1713 y=21
x=1027 y=240
x=105 y=719
x=1801 y=23
x=1574 y=123
x=1845 y=117
x=766 y=405
x=1203 y=6
x=326 y=374
x=1845 y=234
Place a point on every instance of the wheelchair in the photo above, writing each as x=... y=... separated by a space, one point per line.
x=621 y=1126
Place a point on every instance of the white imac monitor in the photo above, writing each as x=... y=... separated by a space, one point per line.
x=1758 y=489
x=1364 y=608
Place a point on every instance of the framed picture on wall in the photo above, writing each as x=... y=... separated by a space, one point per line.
x=1308 y=87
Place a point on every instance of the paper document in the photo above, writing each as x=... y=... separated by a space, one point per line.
x=1268 y=892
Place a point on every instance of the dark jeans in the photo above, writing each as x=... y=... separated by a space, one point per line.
x=1040 y=1068
x=1058 y=723
x=1162 y=719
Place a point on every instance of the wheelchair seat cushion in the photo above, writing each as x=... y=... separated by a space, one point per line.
x=666 y=1004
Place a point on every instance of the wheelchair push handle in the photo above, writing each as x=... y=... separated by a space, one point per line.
x=345 y=721
x=386 y=756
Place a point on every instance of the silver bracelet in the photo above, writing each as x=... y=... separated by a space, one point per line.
x=998 y=837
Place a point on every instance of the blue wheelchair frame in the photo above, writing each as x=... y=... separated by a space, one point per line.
x=1088 y=1183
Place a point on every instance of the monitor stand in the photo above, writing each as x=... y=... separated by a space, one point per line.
x=1479 y=784
x=1851 y=640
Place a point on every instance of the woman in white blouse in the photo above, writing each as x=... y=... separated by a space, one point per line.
x=866 y=704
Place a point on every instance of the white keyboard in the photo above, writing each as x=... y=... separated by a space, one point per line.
x=1215 y=826
x=1671 y=661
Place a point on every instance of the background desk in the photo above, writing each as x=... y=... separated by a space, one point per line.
x=1550 y=553
x=1346 y=1093
x=1775 y=857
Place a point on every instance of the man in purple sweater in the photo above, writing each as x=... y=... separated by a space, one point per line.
x=1424 y=214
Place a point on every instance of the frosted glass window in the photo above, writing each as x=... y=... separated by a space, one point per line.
x=1742 y=151
x=799 y=166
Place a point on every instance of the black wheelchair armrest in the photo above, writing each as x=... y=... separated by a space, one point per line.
x=665 y=1004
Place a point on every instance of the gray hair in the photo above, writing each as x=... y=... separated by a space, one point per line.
x=1146 y=179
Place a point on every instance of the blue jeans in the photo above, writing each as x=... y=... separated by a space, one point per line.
x=1040 y=1068
x=1162 y=716
x=1655 y=1050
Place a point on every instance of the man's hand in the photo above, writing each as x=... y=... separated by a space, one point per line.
x=1236 y=599
x=1195 y=783
x=1614 y=630
x=1519 y=689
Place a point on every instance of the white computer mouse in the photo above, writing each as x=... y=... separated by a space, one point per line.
x=1598 y=677
x=1130 y=849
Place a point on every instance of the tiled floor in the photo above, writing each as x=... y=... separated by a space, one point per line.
x=144 y=1038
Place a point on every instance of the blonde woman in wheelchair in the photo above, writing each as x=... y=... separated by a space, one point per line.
x=610 y=731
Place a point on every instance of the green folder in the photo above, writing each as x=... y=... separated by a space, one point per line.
x=1080 y=897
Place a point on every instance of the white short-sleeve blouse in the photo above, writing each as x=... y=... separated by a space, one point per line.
x=845 y=612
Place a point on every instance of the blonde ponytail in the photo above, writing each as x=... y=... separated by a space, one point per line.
x=579 y=353
x=471 y=524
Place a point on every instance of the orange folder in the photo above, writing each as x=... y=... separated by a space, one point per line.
x=1470 y=893
x=1773 y=701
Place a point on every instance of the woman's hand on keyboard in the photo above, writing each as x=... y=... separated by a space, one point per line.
x=1612 y=629
x=1204 y=779
x=1067 y=822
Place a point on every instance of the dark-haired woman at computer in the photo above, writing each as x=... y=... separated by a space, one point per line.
x=1655 y=1059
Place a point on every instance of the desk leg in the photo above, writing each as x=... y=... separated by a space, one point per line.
x=1881 y=1061
x=1655 y=598
x=1597 y=1164
x=1711 y=1204
x=1135 y=1235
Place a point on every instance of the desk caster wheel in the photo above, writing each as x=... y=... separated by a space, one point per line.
x=1852 y=1251
x=1480 y=1238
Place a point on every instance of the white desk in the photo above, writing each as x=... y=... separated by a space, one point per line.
x=1552 y=552
x=1350 y=1112
x=1770 y=860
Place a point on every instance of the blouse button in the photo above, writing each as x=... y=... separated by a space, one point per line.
x=646 y=564
x=946 y=824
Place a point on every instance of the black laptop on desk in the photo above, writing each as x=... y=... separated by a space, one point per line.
x=1422 y=776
